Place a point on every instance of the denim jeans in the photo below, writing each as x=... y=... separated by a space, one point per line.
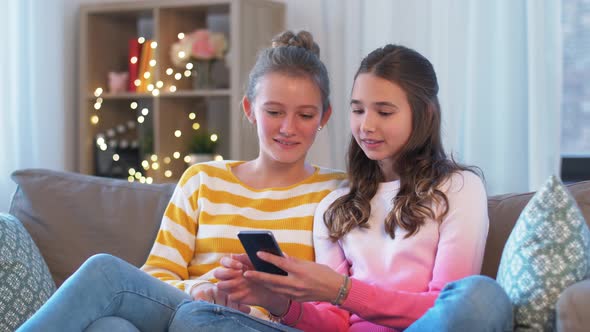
x=108 y=294
x=207 y=317
x=475 y=303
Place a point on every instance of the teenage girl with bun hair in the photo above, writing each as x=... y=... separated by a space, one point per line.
x=287 y=99
x=401 y=248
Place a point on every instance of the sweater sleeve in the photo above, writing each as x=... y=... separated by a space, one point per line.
x=174 y=246
x=461 y=243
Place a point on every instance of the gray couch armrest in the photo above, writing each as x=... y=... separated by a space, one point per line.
x=572 y=308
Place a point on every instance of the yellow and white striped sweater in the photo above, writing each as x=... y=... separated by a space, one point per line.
x=210 y=205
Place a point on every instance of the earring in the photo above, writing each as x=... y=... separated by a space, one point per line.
x=320 y=128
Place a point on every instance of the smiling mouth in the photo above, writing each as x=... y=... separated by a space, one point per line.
x=371 y=144
x=285 y=142
x=371 y=141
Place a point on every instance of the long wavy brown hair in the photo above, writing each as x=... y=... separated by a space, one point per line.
x=422 y=164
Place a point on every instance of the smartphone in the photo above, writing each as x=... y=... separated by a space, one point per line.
x=255 y=241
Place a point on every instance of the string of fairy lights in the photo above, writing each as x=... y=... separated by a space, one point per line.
x=107 y=139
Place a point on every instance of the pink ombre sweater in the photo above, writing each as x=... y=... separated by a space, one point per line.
x=395 y=281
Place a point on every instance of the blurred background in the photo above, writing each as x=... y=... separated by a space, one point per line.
x=514 y=80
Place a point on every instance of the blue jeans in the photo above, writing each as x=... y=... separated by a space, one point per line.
x=108 y=294
x=207 y=317
x=475 y=303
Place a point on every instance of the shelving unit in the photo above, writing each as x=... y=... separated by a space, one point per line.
x=105 y=31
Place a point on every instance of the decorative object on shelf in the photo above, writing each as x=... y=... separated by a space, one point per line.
x=115 y=154
x=202 y=148
x=197 y=52
x=202 y=78
x=144 y=82
x=117 y=159
x=118 y=81
x=135 y=47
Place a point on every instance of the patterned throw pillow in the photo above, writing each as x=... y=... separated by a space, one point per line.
x=548 y=250
x=25 y=282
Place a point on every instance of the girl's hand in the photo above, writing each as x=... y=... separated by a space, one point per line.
x=242 y=290
x=210 y=293
x=307 y=281
x=199 y=292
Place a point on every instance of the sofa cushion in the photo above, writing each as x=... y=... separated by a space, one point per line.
x=73 y=216
x=547 y=251
x=25 y=282
x=504 y=211
x=572 y=308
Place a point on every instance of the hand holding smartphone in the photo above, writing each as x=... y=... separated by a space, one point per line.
x=254 y=241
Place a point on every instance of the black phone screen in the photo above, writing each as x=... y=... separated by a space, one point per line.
x=254 y=241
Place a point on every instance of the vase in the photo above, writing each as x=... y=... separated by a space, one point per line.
x=202 y=78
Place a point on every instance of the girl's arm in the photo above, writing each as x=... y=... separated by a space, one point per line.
x=317 y=316
x=174 y=246
x=321 y=316
x=306 y=281
x=461 y=243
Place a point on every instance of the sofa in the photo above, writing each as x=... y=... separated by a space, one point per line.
x=70 y=217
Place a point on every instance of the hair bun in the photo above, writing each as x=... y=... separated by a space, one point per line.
x=302 y=39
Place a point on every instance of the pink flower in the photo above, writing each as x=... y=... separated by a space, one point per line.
x=202 y=48
x=200 y=44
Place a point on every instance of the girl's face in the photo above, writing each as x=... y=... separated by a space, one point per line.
x=287 y=112
x=381 y=120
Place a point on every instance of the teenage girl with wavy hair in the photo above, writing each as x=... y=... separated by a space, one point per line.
x=398 y=250
x=421 y=165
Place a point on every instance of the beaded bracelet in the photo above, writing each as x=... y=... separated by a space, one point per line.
x=342 y=292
